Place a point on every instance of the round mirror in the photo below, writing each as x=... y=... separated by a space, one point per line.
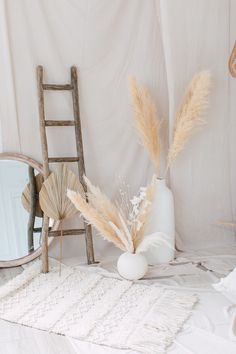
x=21 y=218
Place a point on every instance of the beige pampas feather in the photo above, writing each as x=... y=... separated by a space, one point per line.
x=147 y=122
x=122 y=237
x=95 y=218
x=153 y=240
x=125 y=230
x=190 y=113
x=102 y=203
x=127 y=233
x=108 y=210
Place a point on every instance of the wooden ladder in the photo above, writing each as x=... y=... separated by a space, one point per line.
x=73 y=87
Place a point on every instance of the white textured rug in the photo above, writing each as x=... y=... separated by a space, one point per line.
x=96 y=308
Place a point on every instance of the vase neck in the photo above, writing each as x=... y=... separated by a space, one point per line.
x=161 y=182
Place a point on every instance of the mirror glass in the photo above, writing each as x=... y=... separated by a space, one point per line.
x=20 y=213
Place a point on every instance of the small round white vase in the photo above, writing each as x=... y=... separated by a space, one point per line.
x=132 y=266
x=162 y=219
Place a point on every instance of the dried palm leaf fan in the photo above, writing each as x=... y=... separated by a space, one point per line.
x=53 y=199
x=25 y=197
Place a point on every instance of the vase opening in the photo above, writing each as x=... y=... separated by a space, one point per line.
x=161 y=181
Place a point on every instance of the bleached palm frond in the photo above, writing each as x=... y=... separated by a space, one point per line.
x=95 y=219
x=154 y=240
x=25 y=197
x=189 y=116
x=147 y=122
x=53 y=199
x=52 y=196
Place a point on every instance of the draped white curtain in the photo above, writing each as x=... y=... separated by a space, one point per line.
x=198 y=35
x=163 y=43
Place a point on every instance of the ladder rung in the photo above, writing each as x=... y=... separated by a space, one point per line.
x=63 y=159
x=38 y=229
x=59 y=123
x=57 y=87
x=70 y=232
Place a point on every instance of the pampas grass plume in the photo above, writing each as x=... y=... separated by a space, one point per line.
x=95 y=219
x=189 y=116
x=146 y=120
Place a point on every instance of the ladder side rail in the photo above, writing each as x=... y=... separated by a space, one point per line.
x=80 y=153
x=44 y=146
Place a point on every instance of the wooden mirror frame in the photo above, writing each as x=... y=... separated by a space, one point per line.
x=30 y=162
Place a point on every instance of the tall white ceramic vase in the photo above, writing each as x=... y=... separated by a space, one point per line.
x=162 y=219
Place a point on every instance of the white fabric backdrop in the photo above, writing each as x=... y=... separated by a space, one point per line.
x=163 y=44
x=198 y=35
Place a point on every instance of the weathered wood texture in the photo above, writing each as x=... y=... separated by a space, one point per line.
x=80 y=153
x=44 y=145
x=46 y=159
x=56 y=233
x=63 y=159
x=56 y=87
x=59 y=123
x=32 y=211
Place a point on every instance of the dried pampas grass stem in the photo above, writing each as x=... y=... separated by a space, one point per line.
x=189 y=116
x=147 y=122
x=102 y=203
x=125 y=230
x=95 y=219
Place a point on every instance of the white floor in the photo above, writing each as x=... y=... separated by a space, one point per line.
x=205 y=333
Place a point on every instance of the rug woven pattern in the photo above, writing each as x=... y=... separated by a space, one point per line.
x=96 y=308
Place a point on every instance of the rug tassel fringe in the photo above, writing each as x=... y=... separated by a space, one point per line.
x=158 y=332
